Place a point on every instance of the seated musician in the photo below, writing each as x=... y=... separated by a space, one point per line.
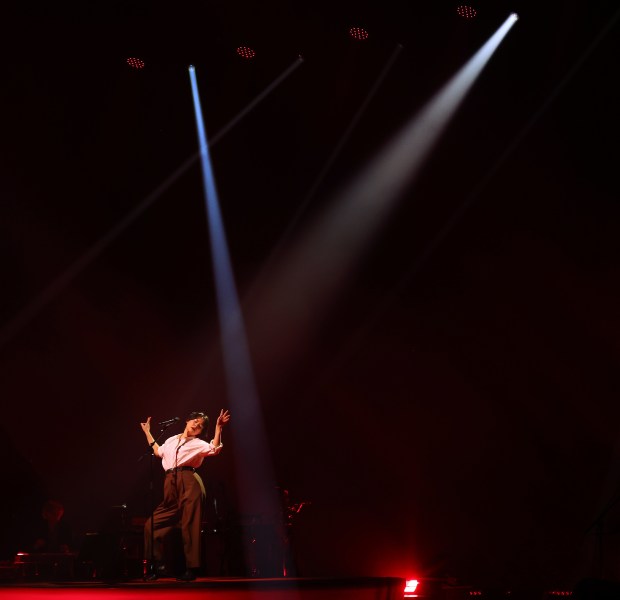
x=53 y=534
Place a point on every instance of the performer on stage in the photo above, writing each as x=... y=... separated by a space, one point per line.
x=184 y=491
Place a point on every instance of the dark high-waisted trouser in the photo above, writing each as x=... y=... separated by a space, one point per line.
x=182 y=505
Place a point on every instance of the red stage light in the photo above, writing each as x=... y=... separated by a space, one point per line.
x=357 y=33
x=467 y=12
x=135 y=63
x=410 y=587
x=245 y=52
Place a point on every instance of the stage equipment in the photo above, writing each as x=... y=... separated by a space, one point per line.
x=358 y=33
x=246 y=52
x=467 y=12
x=135 y=63
x=45 y=566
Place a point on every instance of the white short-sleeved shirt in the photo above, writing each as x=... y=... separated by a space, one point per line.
x=187 y=452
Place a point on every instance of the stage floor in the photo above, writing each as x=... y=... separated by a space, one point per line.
x=363 y=588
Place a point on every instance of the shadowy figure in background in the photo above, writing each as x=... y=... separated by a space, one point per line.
x=52 y=534
x=288 y=518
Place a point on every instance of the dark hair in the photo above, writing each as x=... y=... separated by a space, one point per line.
x=198 y=414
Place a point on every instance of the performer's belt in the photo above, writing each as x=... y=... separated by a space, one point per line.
x=192 y=469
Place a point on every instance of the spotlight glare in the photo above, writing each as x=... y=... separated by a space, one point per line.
x=467 y=12
x=358 y=33
x=410 y=588
x=135 y=63
x=246 y=52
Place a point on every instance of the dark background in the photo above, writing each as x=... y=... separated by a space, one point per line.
x=455 y=412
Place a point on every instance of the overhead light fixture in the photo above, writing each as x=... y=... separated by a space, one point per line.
x=467 y=12
x=135 y=63
x=358 y=33
x=246 y=52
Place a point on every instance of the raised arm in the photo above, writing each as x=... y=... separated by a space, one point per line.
x=223 y=418
x=146 y=427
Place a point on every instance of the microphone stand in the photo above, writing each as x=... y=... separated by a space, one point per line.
x=150 y=569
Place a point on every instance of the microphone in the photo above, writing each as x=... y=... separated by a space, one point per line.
x=169 y=421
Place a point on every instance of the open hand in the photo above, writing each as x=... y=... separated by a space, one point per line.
x=223 y=418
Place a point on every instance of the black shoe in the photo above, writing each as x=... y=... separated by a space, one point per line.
x=189 y=575
x=156 y=573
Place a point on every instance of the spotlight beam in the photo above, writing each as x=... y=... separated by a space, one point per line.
x=334 y=155
x=471 y=198
x=52 y=290
x=301 y=287
x=256 y=482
